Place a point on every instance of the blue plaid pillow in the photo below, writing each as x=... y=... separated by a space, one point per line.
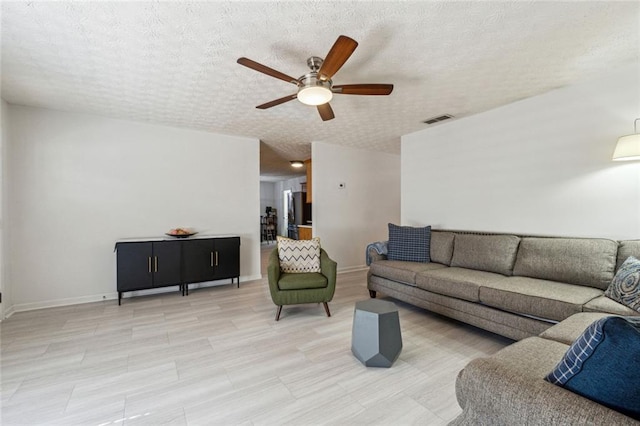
x=409 y=243
x=603 y=364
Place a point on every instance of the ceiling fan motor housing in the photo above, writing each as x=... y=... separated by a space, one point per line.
x=315 y=63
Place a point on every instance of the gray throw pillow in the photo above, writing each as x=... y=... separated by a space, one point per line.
x=625 y=287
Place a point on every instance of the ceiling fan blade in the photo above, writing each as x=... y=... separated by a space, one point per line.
x=363 y=89
x=266 y=70
x=326 y=112
x=337 y=56
x=278 y=101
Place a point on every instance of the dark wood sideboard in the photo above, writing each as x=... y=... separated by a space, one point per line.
x=161 y=262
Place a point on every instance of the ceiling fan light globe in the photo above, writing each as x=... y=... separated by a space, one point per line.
x=314 y=95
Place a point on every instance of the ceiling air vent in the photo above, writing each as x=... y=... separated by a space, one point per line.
x=435 y=120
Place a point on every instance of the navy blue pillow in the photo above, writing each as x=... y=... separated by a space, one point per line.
x=409 y=243
x=603 y=364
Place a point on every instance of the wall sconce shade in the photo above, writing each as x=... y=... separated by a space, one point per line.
x=628 y=147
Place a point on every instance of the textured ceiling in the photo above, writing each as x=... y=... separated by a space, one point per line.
x=174 y=63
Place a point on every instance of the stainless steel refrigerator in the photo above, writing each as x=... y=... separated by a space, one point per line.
x=299 y=214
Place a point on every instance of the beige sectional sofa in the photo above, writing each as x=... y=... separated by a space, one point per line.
x=542 y=291
x=513 y=285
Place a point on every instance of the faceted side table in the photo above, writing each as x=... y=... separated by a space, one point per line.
x=376 y=339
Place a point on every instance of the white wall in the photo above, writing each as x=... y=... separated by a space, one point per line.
x=80 y=182
x=541 y=165
x=5 y=288
x=348 y=219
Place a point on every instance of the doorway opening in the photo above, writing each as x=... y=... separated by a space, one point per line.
x=287 y=213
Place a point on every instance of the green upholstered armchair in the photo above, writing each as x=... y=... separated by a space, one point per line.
x=293 y=289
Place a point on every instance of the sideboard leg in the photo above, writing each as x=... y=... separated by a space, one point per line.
x=119 y=298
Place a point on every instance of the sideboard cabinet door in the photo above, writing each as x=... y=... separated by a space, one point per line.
x=211 y=259
x=144 y=265
x=166 y=263
x=198 y=260
x=135 y=262
x=227 y=258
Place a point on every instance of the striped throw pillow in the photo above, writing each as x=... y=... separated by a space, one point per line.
x=299 y=256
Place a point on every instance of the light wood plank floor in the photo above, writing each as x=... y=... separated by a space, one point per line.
x=218 y=357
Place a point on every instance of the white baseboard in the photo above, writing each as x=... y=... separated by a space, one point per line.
x=352 y=269
x=6 y=314
x=250 y=278
x=243 y=279
x=22 y=307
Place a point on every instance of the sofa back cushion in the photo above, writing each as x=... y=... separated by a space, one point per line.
x=626 y=249
x=491 y=253
x=441 y=247
x=583 y=261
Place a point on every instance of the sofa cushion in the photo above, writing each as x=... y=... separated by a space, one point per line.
x=541 y=298
x=582 y=261
x=490 y=253
x=625 y=287
x=533 y=356
x=604 y=304
x=404 y=272
x=409 y=243
x=302 y=281
x=603 y=364
x=627 y=248
x=442 y=246
x=570 y=329
x=461 y=283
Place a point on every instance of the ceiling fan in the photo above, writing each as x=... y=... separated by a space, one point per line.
x=316 y=87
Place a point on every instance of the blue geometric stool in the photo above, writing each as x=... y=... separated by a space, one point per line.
x=376 y=339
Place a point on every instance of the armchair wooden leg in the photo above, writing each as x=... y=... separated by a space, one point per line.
x=278 y=313
x=372 y=294
x=326 y=309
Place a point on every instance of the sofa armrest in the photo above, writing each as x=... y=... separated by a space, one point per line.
x=273 y=271
x=509 y=388
x=329 y=269
x=376 y=251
